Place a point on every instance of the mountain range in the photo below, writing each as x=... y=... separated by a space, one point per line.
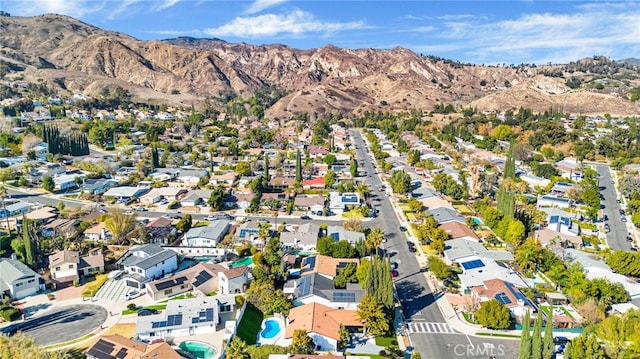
x=82 y=58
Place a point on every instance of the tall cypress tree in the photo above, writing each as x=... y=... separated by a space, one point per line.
x=266 y=167
x=298 y=167
x=506 y=199
x=536 y=341
x=547 y=341
x=524 y=351
x=28 y=247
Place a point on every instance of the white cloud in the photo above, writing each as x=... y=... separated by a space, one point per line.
x=549 y=37
x=296 y=23
x=165 y=4
x=260 y=5
x=75 y=8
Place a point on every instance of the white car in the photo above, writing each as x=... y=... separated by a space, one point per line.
x=132 y=295
x=210 y=218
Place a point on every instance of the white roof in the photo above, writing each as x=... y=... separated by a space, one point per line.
x=629 y=285
x=490 y=270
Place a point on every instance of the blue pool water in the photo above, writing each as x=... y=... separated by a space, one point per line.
x=271 y=328
x=477 y=221
x=199 y=350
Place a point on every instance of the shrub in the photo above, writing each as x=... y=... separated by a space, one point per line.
x=239 y=301
x=173 y=205
x=9 y=313
x=132 y=306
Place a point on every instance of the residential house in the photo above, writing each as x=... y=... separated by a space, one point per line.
x=533 y=180
x=18 y=281
x=42 y=215
x=62 y=227
x=68 y=266
x=181 y=318
x=156 y=195
x=478 y=269
x=199 y=279
x=120 y=347
x=192 y=176
x=318 y=152
x=68 y=180
x=124 y=173
x=338 y=202
x=322 y=324
x=125 y=193
x=325 y=265
x=234 y=280
x=507 y=294
x=456 y=230
x=311 y=203
x=146 y=262
x=305 y=238
x=98 y=232
x=160 y=229
x=198 y=197
x=97 y=186
x=445 y=215
x=224 y=179
x=553 y=201
x=338 y=233
x=208 y=236
x=569 y=168
x=279 y=182
x=14 y=209
x=248 y=230
x=315 y=288
x=460 y=249
x=313 y=183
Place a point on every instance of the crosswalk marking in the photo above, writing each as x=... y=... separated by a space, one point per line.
x=429 y=327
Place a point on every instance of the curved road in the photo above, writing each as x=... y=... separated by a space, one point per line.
x=62 y=324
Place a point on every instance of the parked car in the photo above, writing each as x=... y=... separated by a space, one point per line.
x=147 y=311
x=304 y=216
x=623 y=218
x=210 y=218
x=560 y=340
x=403 y=228
x=132 y=295
x=634 y=249
x=412 y=247
x=394 y=273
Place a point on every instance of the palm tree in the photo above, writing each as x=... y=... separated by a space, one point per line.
x=237 y=349
x=374 y=239
x=363 y=190
x=528 y=255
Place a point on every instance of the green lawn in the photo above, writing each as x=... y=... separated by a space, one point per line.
x=250 y=324
x=386 y=341
x=156 y=306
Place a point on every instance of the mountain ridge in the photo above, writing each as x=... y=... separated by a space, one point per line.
x=187 y=70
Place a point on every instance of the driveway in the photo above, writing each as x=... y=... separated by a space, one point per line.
x=61 y=324
x=361 y=344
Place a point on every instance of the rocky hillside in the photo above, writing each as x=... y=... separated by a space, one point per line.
x=83 y=58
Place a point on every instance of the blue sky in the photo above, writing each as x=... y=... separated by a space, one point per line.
x=480 y=32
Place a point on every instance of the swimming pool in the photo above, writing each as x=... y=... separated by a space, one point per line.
x=271 y=328
x=200 y=350
x=246 y=261
x=271 y=332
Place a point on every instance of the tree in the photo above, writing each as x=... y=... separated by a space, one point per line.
x=493 y=315
x=22 y=345
x=362 y=271
x=343 y=333
x=184 y=224
x=298 y=167
x=329 y=159
x=119 y=224
x=502 y=132
x=353 y=224
x=29 y=257
x=524 y=351
x=216 y=199
x=547 y=340
x=302 y=343
x=415 y=205
x=353 y=167
x=413 y=157
x=439 y=268
x=48 y=184
x=237 y=349
x=545 y=170
x=243 y=168
x=536 y=341
x=372 y=316
x=374 y=239
x=584 y=346
x=329 y=179
x=400 y=182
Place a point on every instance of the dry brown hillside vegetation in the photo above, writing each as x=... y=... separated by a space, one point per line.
x=82 y=58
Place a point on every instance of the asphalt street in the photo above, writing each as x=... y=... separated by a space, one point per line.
x=61 y=324
x=428 y=330
x=617 y=236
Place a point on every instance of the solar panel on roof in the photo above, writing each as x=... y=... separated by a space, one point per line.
x=304 y=286
x=503 y=298
x=476 y=263
x=121 y=353
x=344 y=297
x=201 y=278
x=101 y=350
x=209 y=314
x=195 y=320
